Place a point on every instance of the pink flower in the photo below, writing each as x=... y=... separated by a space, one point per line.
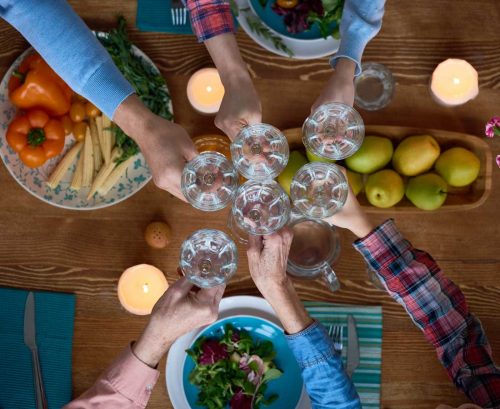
x=493 y=127
x=498 y=161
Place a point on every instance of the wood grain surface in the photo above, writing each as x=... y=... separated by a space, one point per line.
x=47 y=248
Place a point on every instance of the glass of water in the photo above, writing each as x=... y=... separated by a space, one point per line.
x=260 y=152
x=333 y=131
x=374 y=87
x=260 y=208
x=209 y=181
x=319 y=190
x=208 y=258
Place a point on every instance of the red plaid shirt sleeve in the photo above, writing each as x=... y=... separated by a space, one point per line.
x=438 y=307
x=210 y=18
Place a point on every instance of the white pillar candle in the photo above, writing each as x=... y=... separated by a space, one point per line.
x=140 y=287
x=205 y=91
x=454 y=82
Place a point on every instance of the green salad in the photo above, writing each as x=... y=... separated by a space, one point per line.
x=233 y=371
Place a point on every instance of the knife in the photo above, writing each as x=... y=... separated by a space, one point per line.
x=30 y=341
x=352 y=346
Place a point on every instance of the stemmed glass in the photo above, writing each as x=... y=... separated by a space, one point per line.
x=333 y=131
x=209 y=181
x=208 y=258
x=319 y=190
x=259 y=208
x=260 y=152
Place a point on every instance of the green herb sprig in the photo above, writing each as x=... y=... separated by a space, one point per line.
x=260 y=29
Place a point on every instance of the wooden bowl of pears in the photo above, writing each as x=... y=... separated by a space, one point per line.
x=407 y=169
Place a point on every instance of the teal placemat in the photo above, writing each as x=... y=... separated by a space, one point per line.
x=369 y=326
x=155 y=15
x=54 y=332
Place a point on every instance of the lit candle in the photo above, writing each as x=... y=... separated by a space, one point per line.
x=454 y=82
x=140 y=287
x=205 y=91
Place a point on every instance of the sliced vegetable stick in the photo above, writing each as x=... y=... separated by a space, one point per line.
x=96 y=145
x=88 y=160
x=76 y=182
x=63 y=165
x=105 y=171
x=118 y=171
x=108 y=134
x=104 y=150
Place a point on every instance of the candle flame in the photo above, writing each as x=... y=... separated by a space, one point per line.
x=209 y=88
x=145 y=288
x=456 y=81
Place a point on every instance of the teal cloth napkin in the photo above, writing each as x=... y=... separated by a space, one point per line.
x=369 y=326
x=54 y=333
x=155 y=15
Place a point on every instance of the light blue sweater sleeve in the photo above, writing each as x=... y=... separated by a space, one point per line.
x=327 y=384
x=361 y=21
x=70 y=48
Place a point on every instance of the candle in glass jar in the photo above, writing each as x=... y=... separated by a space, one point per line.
x=140 y=287
x=205 y=91
x=454 y=82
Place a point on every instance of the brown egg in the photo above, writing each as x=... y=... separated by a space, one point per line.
x=158 y=235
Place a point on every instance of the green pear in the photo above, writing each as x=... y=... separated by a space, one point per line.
x=384 y=188
x=355 y=181
x=373 y=155
x=295 y=162
x=458 y=166
x=415 y=155
x=427 y=191
x=315 y=158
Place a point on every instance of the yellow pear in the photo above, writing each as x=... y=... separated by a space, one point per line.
x=373 y=155
x=384 y=188
x=355 y=180
x=295 y=162
x=415 y=155
x=458 y=166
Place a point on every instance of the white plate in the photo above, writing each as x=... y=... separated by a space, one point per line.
x=33 y=180
x=229 y=307
x=302 y=49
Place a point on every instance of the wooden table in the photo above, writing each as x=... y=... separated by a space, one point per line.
x=43 y=247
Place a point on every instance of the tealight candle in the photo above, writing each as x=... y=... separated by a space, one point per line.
x=454 y=82
x=140 y=287
x=205 y=91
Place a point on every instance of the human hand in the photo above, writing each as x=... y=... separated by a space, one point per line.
x=340 y=86
x=267 y=260
x=177 y=312
x=240 y=106
x=352 y=216
x=165 y=145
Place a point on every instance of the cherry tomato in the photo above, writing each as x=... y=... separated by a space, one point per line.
x=77 y=112
x=287 y=4
x=33 y=156
x=79 y=131
x=67 y=123
x=91 y=110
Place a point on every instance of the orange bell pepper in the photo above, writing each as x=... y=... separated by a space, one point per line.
x=35 y=85
x=36 y=137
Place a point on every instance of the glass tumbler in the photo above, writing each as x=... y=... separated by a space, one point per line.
x=208 y=258
x=260 y=208
x=374 y=87
x=319 y=190
x=333 y=131
x=260 y=152
x=209 y=181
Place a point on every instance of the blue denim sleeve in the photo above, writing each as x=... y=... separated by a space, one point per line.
x=70 y=48
x=326 y=382
x=361 y=21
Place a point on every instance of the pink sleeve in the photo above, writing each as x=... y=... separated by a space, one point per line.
x=126 y=384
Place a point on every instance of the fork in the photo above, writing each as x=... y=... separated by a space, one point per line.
x=179 y=13
x=335 y=333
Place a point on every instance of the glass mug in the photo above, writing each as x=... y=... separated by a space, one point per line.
x=315 y=247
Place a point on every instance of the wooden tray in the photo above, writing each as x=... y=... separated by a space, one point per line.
x=458 y=199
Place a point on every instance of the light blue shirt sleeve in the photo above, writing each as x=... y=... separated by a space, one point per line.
x=361 y=21
x=70 y=48
x=327 y=384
